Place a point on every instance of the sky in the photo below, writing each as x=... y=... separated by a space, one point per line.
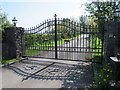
x=30 y=13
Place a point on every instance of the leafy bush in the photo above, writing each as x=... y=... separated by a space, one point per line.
x=30 y=39
x=103 y=77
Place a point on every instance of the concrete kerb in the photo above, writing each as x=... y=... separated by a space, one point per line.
x=4 y=65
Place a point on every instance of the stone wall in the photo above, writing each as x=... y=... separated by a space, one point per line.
x=111 y=39
x=112 y=46
x=117 y=39
x=12 y=47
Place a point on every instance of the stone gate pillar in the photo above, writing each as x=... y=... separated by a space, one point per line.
x=111 y=39
x=12 y=46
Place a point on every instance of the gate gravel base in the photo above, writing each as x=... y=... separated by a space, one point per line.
x=62 y=74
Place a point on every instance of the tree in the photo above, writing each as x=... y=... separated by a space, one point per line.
x=4 y=23
x=102 y=11
x=83 y=19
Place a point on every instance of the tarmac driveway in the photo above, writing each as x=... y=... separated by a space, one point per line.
x=47 y=73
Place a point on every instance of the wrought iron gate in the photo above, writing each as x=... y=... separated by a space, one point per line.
x=63 y=39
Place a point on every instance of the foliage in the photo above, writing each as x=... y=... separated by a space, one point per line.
x=41 y=47
x=4 y=23
x=102 y=11
x=96 y=45
x=33 y=39
x=35 y=42
x=30 y=39
x=103 y=77
x=83 y=19
x=46 y=40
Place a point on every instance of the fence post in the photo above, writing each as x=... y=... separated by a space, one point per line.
x=55 y=36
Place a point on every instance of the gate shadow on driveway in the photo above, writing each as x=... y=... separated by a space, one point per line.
x=72 y=75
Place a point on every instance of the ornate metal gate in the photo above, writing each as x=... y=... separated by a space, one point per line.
x=63 y=39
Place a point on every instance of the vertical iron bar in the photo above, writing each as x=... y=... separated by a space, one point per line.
x=77 y=40
x=92 y=37
x=56 y=37
x=90 y=34
x=74 y=29
x=47 y=26
x=86 y=38
x=80 y=38
x=51 y=46
x=95 y=30
x=67 y=36
x=98 y=38
x=63 y=47
x=40 y=37
x=102 y=37
x=28 y=39
x=59 y=38
x=72 y=39
x=58 y=28
x=83 y=38
x=90 y=40
x=97 y=41
x=44 y=48
x=44 y=37
x=70 y=36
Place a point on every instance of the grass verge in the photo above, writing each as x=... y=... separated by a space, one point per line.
x=8 y=61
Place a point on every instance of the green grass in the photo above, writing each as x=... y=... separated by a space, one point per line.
x=8 y=61
x=30 y=52
x=48 y=45
x=96 y=42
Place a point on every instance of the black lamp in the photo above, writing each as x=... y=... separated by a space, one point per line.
x=14 y=21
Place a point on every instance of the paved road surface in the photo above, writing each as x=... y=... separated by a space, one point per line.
x=82 y=42
x=43 y=73
x=61 y=74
